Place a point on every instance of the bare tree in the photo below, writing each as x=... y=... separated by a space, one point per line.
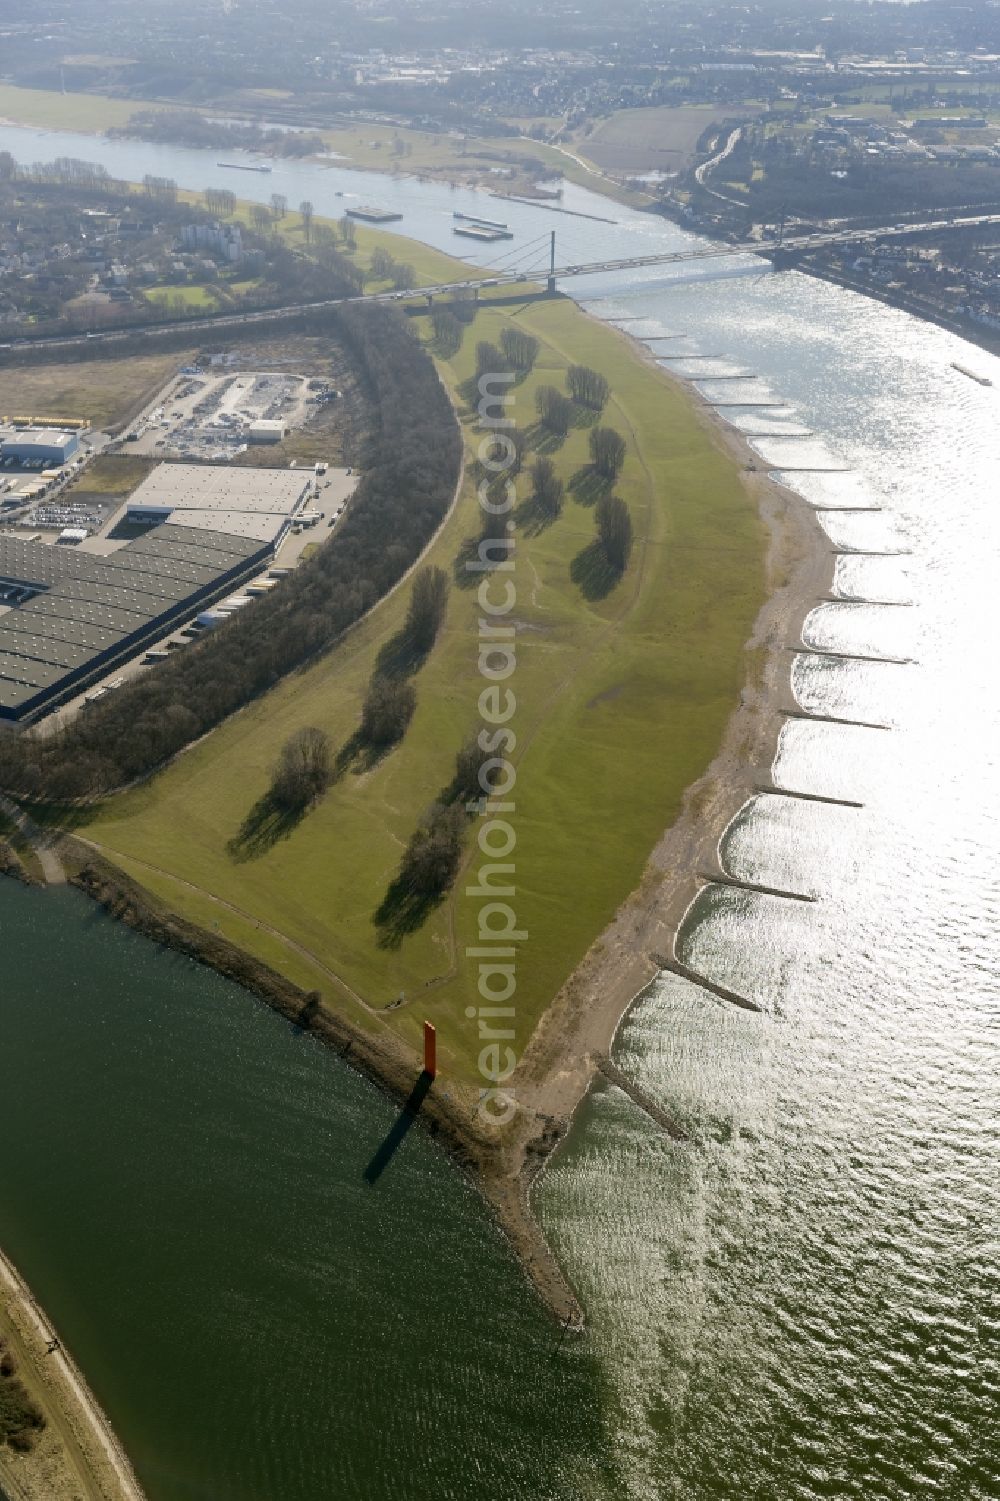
x=520 y=348
x=554 y=409
x=302 y=772
x=387 y=710
x=279 y=205
x=607 y=451
x=588 y=387
x=614 y=530
x=306 y=210
x=546 y=488
x=428 y=604
x=260 y=217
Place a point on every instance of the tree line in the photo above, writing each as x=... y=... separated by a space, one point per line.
x=410 y=471
x=188 y=128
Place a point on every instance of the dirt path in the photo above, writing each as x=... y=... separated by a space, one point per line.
x=40 y=841
x=77 y=1456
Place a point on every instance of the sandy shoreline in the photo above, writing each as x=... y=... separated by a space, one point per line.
x=579 y=1028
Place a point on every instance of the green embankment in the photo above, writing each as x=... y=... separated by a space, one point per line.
x=48 y=109
x=621 y=704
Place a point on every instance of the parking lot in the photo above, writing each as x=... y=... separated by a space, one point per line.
x=209 y=417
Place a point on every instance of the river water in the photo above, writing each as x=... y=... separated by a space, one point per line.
x=801 y=1303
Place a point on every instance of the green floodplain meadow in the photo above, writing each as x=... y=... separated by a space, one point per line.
x=621 y=704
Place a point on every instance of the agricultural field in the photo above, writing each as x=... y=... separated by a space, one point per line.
x=648 y=140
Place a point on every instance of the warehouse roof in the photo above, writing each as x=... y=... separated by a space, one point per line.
x=87 y=606
x=220 y=487
x=50 y=435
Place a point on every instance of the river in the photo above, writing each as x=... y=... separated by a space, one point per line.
x=800 y=1304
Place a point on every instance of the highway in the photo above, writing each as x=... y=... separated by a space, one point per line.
x=550 y=275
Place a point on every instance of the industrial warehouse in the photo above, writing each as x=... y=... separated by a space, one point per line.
x=38 y=445
x=257 y=504
x=67 y=616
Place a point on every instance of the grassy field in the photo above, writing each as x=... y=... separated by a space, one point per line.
x=199 y=296
x=106 y=391
x=48 y=109
x=115 y=473
x=645 y=140
x=397 y=148
x=621 y=704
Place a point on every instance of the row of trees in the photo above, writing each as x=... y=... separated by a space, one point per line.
x=557 y=412
x=515 y=354
x=588 y=387
x=188 y=128
x=306 y=767
x=410 y=471
x=614 y=531
x=385 y=267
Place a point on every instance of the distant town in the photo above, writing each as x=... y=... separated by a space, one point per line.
x=740 y=122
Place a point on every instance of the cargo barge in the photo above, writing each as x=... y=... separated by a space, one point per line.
x=485 y=223
x=480 y=232
x=372 y=214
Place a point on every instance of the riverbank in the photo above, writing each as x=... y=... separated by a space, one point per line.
x=644 y=937
x=565 y=1050
x=447 y=1110
x=393 y=151
x=76 y=1456
x=578 y=1028
x=601 y=682
x=973 y=333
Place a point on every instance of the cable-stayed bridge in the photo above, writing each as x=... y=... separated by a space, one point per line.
x=524 y=267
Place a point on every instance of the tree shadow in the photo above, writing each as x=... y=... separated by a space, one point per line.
x=400 y=1130
x=264 y=825
x=470 y=577
x=400 y=657
x=360 y=755
x=444 y=348
x=402 y=911
x=584 y=416
x=588 y=485
x=541 y=439
x=468 y=391
x=532 y=517
x=592 y=573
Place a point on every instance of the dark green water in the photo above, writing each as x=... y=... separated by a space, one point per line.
x=182 y=1185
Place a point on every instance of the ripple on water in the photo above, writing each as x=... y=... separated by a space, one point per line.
x=815 y=1298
